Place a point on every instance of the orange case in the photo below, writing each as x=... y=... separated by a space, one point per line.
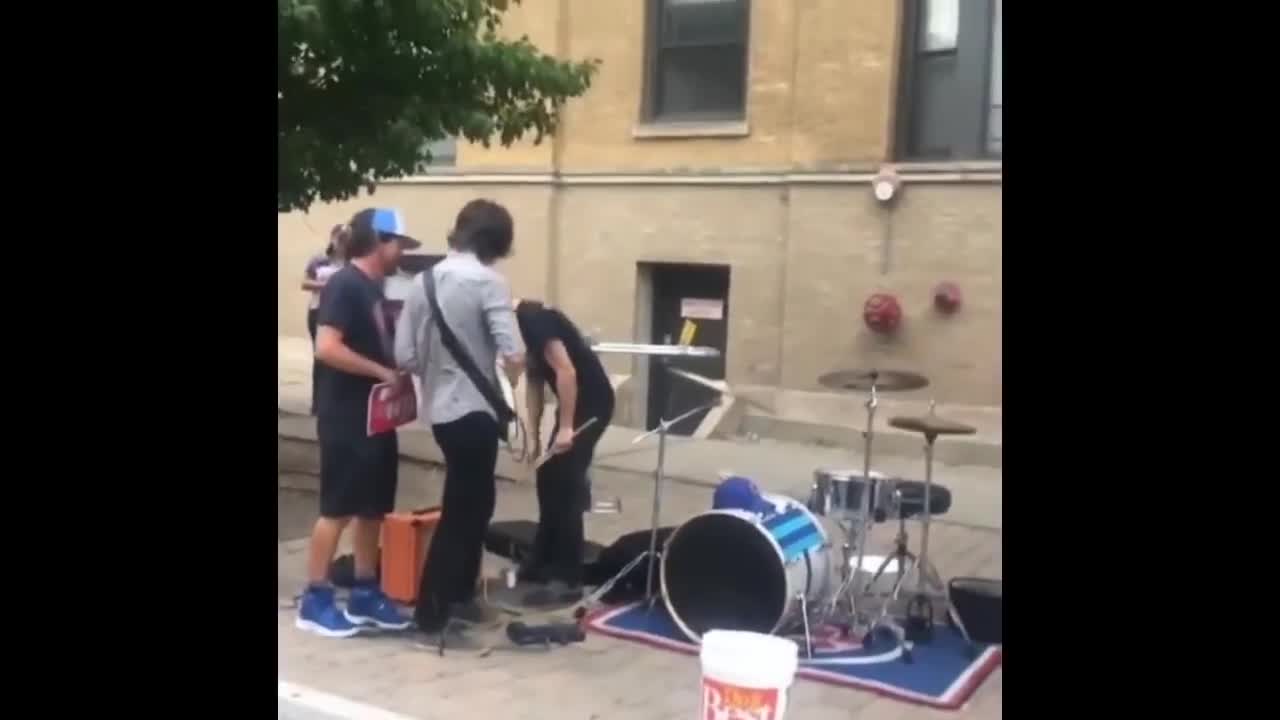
x=405 y=540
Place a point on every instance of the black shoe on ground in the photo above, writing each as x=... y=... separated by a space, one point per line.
x=456 y=638
x=533 y=573
x=556 y=592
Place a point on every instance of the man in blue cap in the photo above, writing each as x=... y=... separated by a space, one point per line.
x=358 y=472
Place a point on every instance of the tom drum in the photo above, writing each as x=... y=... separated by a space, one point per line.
x=838 y=494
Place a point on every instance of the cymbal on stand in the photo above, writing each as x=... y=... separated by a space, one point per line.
x=931 y=425
x=883 y=380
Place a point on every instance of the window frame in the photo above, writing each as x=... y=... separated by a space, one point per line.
x=970 y=85
x=649 y=111
x=438 y=160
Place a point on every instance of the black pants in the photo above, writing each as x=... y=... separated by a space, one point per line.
x=311 y=328
x=470 y=447
x=564 y=494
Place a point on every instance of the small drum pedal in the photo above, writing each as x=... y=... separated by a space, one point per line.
x=919 y=620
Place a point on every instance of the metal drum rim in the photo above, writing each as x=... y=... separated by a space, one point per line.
x=758 y=522
x=846 y=475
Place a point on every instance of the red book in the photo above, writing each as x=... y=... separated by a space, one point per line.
x=392 y=405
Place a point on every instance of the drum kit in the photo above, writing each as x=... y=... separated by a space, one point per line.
x=856 y=502
x=770 y=569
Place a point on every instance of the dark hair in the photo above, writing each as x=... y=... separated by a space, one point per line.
x=485 y=228
x=528 y=306
x=362 y=239
x=525 y=312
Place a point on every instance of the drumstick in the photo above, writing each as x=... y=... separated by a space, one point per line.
x=548 y=455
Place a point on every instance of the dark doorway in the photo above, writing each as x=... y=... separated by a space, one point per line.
x=684 y=295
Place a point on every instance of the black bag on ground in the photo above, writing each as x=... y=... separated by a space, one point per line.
x=615 y=557
x=513 y=539
x=463 y=358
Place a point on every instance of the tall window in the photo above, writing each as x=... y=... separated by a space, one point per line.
x=995 y=128
x=697 y=60
x=444 y=153
x=951 y=100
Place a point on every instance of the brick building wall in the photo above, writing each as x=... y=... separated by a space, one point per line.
x=782 y=196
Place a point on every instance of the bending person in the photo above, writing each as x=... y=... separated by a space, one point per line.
x=559 y=356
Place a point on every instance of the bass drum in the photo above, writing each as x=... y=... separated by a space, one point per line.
x=735 y=570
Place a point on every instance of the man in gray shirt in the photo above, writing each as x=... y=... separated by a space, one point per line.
x=475 y=302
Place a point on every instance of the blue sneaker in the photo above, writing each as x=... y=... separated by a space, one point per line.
x=319 y=614
x=369 y=606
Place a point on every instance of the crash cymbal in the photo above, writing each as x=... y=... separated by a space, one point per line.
x=931 y=425
x=884 y=380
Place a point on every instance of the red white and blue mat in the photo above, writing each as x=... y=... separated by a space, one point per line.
x=944 y=673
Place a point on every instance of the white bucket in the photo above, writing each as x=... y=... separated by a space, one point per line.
x=746 y=675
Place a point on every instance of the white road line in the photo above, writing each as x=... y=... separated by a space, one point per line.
x=332 y=705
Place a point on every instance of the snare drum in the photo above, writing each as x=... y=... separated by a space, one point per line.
x=838 y=494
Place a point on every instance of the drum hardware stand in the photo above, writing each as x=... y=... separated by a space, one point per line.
x=663 y=352
x=808 y=636
x=662 y=430
x=927 y=574
x=920 y=607
x=598 y=594
x=919 y=619
x=863 y=526
x=906 y=560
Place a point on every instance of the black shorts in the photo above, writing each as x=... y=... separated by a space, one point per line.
x=358 y=475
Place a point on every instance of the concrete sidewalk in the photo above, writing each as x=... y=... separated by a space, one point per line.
x=602 y=678
x=778 y=467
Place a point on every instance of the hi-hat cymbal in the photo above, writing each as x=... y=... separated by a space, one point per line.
x=931 y=425
x=884 y=380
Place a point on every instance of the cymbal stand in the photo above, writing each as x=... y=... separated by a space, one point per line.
x=906 y=559
x=927 y=574
x=864 y=521
x=662 y=430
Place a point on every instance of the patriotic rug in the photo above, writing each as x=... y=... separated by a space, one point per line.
x=944 y=673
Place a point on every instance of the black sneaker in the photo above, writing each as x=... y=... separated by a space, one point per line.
x=453 y=637
x=474 y=613
x=533 y=573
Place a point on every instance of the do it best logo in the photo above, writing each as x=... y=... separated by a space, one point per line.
x=722 y=701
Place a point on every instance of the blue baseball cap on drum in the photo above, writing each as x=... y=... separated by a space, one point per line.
x=739 y=493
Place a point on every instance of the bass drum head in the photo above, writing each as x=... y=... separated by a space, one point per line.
x=721 y=571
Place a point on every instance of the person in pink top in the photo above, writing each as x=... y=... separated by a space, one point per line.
x=318 y=271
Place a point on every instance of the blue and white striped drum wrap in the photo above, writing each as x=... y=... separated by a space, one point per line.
x=796 y=531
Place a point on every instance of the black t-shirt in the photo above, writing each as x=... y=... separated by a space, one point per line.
x=352 y=303
x=538 y=328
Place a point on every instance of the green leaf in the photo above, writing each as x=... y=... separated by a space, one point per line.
x=364 y=85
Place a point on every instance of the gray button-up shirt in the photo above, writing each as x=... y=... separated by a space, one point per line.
x=476 y=303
